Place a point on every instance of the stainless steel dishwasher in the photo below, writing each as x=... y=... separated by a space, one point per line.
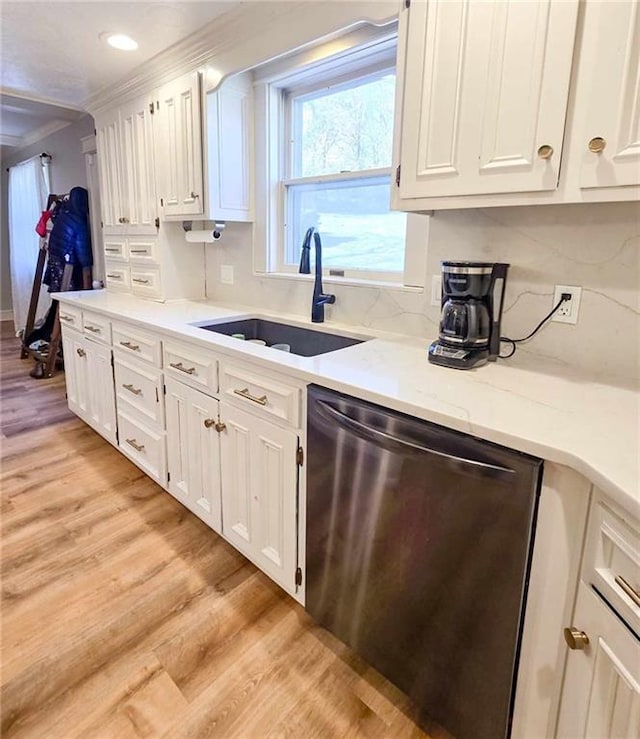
x=418 y=551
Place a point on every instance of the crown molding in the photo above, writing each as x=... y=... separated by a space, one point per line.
x=250 y=34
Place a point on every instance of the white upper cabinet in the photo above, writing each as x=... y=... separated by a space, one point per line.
x=485 y=96
x=179 y=147
x=607 y=106
x=136 y=130
x=126 y=165
x=110 y=170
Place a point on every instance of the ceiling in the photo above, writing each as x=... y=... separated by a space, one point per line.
x=53 y=60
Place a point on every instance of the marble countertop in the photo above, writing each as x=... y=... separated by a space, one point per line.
x=527 y=404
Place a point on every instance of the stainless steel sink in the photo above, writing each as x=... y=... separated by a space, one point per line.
x=305 y=342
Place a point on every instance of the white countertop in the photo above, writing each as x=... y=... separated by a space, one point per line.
x=524 y=403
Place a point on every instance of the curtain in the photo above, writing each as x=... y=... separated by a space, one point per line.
x=28 y=192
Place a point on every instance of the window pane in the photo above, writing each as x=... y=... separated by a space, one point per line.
x=357 y=229
x=344 y=129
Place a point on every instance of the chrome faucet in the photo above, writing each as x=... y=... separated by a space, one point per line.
x=320 y=298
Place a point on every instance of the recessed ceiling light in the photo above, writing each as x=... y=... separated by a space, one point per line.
x=120 y=41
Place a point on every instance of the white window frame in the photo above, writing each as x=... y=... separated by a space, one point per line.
x=365 y=51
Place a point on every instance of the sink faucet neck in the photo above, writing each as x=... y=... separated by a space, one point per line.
x=320 y=298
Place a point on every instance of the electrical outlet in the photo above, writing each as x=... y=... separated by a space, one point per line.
x=226 y=274
x=568 y=311
x=436 y=290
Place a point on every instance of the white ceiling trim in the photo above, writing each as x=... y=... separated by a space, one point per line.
x=248 y=35
x=9 y=91
x=43 y=132
x=9 y=140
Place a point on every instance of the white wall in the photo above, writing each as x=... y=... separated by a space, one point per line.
x=594 y=246
x=67 y=170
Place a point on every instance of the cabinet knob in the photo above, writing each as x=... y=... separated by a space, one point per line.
x=220 y=427
x=209 y=422
x=81 y=352
x=545 y=151
x=597 y=144
x=194 y=195
x=575 y=638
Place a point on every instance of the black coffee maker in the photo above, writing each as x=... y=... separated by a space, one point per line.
x=472 y=300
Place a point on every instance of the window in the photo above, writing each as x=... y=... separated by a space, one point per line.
x=339 y=167
x=327 y=147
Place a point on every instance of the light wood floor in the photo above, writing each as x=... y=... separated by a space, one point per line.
x=124 y=616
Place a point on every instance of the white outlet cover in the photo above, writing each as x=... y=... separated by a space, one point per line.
x=436 y=290
x=226 y=274
x=568 y=311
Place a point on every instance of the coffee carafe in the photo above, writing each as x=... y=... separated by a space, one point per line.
x=471 y=305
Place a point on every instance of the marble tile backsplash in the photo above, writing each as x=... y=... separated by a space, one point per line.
x=596 y=247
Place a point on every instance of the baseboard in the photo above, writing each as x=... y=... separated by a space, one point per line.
x=6 y=315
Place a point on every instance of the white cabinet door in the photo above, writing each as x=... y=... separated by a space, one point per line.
x=259 y=492
x=607 y=107
x=75 y=371
x=89 y=378
x=179 y=146
x=138 y=180
x=101 y=396
x=109 y=168
x=193 y=450
x=601 y=692
x=485 y=96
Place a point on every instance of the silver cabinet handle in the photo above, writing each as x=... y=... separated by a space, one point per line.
x=138 y=251
x=93 y=329
x=140 y=281
x=244 y=393
x=132 y=389
x=129 y=345
x=114 y=277
x=135 y=445
x=182 y=368
x=111 y=248
x=628 y=589
x=63 y=317
x=81 y=352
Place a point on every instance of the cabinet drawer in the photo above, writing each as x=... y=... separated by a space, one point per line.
x=70 y=316
x=193 y=366
x=265 y=395
x=96 y=326
x=139 y=392
x=115 y=249
x=143 y=252
x=136 y=343
x=612 y=562
x=117 y=277
x=143 y=446
x=145 y=282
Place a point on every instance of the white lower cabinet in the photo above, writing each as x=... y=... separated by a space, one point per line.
x=89 y=378
x=144 y=445
x=193 y=451
x=259 y=492
x=601 y=694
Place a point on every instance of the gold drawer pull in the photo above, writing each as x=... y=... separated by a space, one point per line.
x=132 y=389
x=575 y=638
x=135 y=445
x=597 y=144
x=93 y=329
x=628 y=589
x=244 y=393
x=129 y=345
x=66 y=318
x=81 y=352
x=545 y=151
x=114 y=277
x=138 y=251
x=140 y=281
x=182 y=368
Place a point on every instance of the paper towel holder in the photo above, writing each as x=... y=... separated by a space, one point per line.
x=215 y=234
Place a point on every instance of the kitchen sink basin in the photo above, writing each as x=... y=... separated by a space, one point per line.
x=305 y=342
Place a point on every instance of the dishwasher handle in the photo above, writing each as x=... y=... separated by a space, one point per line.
x=382 y=436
